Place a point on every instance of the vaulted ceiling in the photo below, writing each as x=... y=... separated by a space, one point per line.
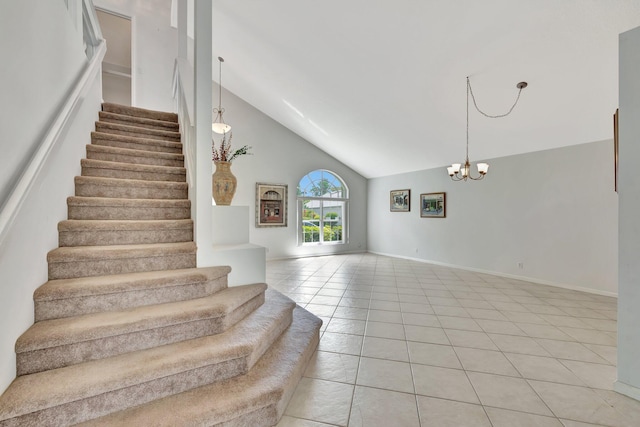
x=381 y=85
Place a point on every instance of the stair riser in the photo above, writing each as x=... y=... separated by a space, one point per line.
x=131 y=192
x=104 y=140
x=128 y=174
x=67 y=270
x=136 y=133
x=57 y=357
x=123 y=237
x=95 y=406
x=141 y=123
x=76 y=306
x=128 y=213
x=139 y=112
x=132 y=158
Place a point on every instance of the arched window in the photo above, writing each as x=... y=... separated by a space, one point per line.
x=323 y=200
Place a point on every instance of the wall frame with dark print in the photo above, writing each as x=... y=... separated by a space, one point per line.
x=271 y=205
x=433 y=205
x=400 y=200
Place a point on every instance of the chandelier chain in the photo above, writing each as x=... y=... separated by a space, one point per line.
x=489 y=115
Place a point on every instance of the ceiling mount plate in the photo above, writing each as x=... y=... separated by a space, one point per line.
x=522 y=85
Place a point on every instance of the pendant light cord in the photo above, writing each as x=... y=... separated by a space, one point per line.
x=469 y=90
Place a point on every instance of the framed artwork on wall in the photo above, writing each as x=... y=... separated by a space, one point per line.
x=433 y=205
x=271 y=205
x=400 y=200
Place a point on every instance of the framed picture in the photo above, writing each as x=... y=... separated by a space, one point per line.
x=432 y=205
x=400 y=200
x=271 y=205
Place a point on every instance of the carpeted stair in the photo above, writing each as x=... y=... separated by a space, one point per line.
x=128 y=331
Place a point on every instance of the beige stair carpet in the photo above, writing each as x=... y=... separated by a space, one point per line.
x=128 y=331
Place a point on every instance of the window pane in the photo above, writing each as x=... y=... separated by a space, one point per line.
x=332 y=214
x=311 y=221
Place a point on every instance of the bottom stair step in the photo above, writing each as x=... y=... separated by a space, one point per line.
x=83 y=295
x=255 y=399
x=89 y=390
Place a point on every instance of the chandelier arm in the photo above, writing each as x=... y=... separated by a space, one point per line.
x=470 y=90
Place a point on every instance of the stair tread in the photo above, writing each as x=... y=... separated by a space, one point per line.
x=120 y=182
x=113 y=201
x=105 y=164
x=135 y=153
x=58 y=332
x=124 y=225
x=128 y=282
x=106 y=126
x=87 y=253
x=139 y=112
x=265 y=384
x=146 y=142
x=108 y=117
x=36 y=392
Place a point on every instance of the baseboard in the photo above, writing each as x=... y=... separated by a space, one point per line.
x=506 y=275
x=627 y=390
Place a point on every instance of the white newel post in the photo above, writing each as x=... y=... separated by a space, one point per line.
x=203 y=107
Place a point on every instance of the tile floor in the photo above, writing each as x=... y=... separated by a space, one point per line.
x=412 y=344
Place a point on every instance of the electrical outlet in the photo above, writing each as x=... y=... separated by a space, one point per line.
x=520 y=265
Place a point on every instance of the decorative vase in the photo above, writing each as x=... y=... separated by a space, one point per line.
x=223 y=184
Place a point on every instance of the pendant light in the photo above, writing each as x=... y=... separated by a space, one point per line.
x=462 y=171
x=218 y=125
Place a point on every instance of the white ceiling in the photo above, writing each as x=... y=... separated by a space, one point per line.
x=381 y=86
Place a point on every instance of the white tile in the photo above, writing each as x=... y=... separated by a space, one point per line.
x=340 y=343
x=449 y=413
x=444 y=383
x=385 y=316
x=543 y=368
x=383 y=348
x=470 y=339
x=288 y=421
x=346 y=326
x=576 y=403
x=463 y=323
x=385 y=374
x=593 y=374
x=322 y=401
x=426 y=334
x=506 y=418
x=385 y=330
x=518 y=344
x=570 y=351
x=507 y=393
x=382 y=408
x=333 y=367
x=420 y=319
x=433 y=354
x=492 y=362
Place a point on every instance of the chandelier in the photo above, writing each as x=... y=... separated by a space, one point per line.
x=462 y=171
x=218 y=125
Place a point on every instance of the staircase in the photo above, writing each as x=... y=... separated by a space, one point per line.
x=127 y=330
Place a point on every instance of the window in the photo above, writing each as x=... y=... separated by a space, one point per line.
x=322 y=209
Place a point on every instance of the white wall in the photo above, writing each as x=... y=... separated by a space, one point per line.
x=629 y=232
x=155 y=47
x=282 y=157
x=554 y=211
x=47 y=35
x=42 y=56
